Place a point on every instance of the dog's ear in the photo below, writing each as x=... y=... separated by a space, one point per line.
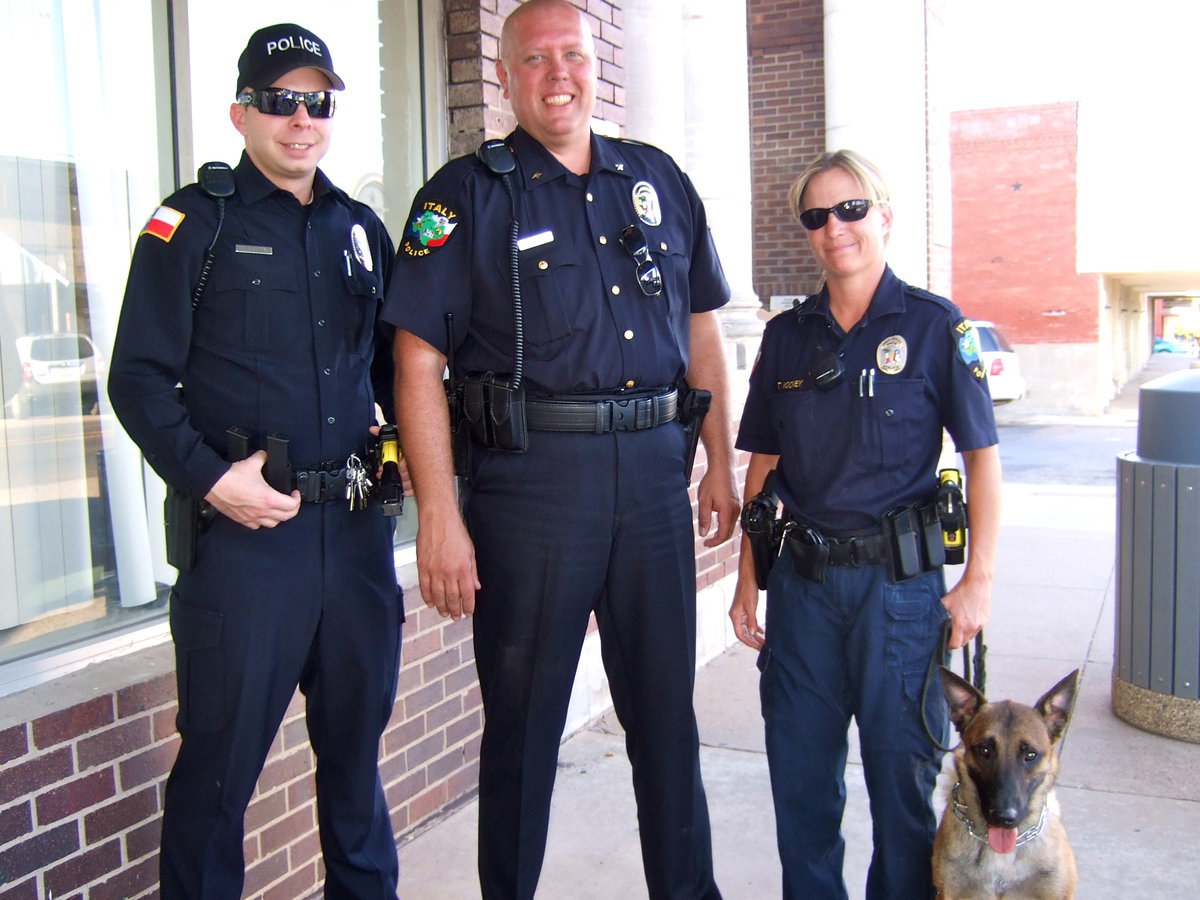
x=1056 y=705
x=965 y=701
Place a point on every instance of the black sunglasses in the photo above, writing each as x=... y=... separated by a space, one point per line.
x=847 y=211
x=282 y=102
x=648 y=276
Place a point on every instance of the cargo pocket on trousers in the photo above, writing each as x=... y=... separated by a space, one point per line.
x=914 y=620
x=198 y=670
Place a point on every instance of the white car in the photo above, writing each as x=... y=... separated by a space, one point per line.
x=58 y=374
x=1001 y=362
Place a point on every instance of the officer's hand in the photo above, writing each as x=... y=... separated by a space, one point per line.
x=970 y=606
x=744 y=613
x=718 y=494
x=446 y=562
x=244 y=496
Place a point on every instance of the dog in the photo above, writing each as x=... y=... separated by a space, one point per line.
x=1000 y=835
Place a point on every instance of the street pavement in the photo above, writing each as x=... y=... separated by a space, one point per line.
x=1130 y=799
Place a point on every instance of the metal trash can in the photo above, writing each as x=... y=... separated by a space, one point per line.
x=1156 y=671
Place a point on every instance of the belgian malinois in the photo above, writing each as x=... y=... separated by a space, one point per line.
x=1000 y=835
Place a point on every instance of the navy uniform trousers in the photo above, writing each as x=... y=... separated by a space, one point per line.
x=856 y=646
x=312 y=602
x=585 y=522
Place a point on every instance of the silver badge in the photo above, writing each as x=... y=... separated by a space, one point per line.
x=645 y=203
x=362 y=250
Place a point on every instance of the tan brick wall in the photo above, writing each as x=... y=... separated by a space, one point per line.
x=787 y=129
x=1014 y=175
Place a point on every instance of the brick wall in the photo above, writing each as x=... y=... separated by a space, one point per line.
x=787 y=130
x=1014 y=177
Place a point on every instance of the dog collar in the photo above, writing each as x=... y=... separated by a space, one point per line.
x=1023 y=838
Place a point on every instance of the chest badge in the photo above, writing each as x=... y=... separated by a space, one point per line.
x=891 y=356
x=645 y=203
x=362 y=250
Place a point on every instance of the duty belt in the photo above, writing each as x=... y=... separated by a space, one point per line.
x=602 y=416
x=324 y=485
x=865 y=549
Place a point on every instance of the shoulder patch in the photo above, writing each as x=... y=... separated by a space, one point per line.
x=163 y=223
x=429 y=230
x=968 y=348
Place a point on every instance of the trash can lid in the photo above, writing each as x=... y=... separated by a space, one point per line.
x=1169 y=418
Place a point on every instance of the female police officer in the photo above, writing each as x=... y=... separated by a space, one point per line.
x=847 y=403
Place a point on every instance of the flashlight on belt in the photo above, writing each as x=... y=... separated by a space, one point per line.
x=391 y=487
x=952 y=512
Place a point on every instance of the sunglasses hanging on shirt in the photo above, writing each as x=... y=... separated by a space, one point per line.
x=282 y=102
x=648 y=276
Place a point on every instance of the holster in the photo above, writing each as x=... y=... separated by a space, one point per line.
x=761 y=525
x=810 y=553
x=693 y=407
x=186 y=517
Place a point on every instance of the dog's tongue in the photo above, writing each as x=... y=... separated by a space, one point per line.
x=1002 y=840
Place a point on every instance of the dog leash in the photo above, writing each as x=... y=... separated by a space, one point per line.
x=976 y=674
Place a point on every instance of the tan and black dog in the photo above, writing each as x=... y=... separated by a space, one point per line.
x=1000 y=836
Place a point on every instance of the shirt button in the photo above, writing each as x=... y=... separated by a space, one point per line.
x=329 y=371
x=320 y=323
x=629 y=335
x=663 y=246
x=543 y=265
x=616 y=289
x=630 y=383
x=331 y=420
x=590 y=198
x=603 y=239
x=256 y=281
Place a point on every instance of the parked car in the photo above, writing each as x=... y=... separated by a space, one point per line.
x=1164 y=345
x=1001 y=362
x=58 y=374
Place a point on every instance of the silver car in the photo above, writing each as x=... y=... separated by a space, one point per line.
x=58 y=374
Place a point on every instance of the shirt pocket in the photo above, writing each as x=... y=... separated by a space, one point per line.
x=252 y=303
x=365 y=293
x=893 y=416
x=671 y=251
x=552 y=297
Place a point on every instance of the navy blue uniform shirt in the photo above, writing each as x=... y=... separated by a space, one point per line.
x=283 y=340
x=872 y=442
x=588 y=327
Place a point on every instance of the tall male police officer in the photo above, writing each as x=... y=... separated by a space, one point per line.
x=289 y=587
x=620 y=283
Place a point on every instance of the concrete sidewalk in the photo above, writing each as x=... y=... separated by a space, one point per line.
x=1130 y=799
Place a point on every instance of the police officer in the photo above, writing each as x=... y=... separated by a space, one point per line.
x=289 y=586
x=619 y=283
x=847 y=404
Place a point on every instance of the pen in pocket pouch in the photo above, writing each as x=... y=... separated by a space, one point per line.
x=346 y=253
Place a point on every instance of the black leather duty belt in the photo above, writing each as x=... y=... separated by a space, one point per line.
x=323 y=485
x=602 y=416
x=858 y=550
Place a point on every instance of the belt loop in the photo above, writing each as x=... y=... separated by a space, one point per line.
x=604 y=417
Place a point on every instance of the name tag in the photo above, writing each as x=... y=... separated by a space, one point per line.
x=535 y=240
x=253 y=248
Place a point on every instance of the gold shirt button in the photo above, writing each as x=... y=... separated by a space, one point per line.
x=603 y=239
x=542 y=264
x=663 y=246
x=630 y=383
x=616 y=289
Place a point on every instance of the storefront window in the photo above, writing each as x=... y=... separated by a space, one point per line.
x=131 y=95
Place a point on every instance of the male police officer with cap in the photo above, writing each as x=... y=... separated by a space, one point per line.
x=290 y=586
x=620 y=283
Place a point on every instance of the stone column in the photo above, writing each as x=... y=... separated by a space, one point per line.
x=687 y=91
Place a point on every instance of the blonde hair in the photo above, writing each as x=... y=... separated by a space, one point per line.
x=862 y=170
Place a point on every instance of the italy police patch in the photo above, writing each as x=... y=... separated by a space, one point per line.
x=968 y=348
x=429 y=230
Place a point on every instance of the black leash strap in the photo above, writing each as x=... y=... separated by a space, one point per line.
x=977 y=675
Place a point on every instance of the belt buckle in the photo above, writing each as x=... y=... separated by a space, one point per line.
x=624 y=415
